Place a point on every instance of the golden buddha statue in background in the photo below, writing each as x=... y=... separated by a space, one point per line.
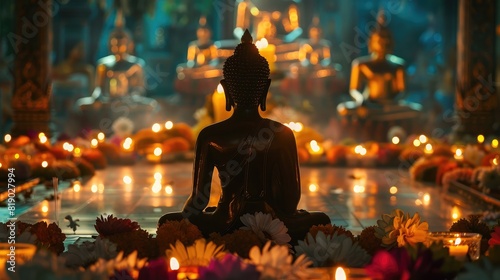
x=266 y=19
x=202 y=51
x=316 y=50
x=119 y=83
x=378 y=81
x=256 y=158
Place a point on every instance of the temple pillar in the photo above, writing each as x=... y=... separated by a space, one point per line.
x=32 y=42
x=476 y=98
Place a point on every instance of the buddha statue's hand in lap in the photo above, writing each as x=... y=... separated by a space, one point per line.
x=256 y=158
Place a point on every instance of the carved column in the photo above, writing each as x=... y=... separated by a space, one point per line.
x=32 y=42
x=476 y=98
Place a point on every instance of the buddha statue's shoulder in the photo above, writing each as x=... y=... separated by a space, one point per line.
x=107 y=61
x=395 y=60
x=362 y=60
x=136 y=60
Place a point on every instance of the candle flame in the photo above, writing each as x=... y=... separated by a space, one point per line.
x=395 y=140
x=458 y=241
x=262 y=43
x=169 y=125
x=494 y=143
x=416 y=143
x=174 y=264
x=100 y=136
x=156 y=127
x=313 y=187
x=94 y=143
x=428 y=148
x=315 y=146
x=220 y=89
x=480 y=138
x=340 y=274
x=168 y=189
x=7 y=138
x=45 y=164
x=458 y=152
x=360 y=150
x=422 y=138
x=157 y=152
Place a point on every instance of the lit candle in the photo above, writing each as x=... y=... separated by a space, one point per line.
x=268 y=51
x=428 y=149
x=173 y=268
x=77 y=152
x=169 y=125
x=395 y=140
x=43 y=139
x=340 y=274
x=458 y=154
x=127 y=144
x=188 y=273
x=422 y=138
x=494 y=143
x=219 y=105
x=459 y=251
x=101 y=136
x=315 y=150
x=416 y=143
x=156 y=128
x=7 y=138
x=94 y=143
x=480 y=139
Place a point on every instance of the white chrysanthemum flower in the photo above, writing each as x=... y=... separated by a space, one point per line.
x=473 y=155
x=123 y=127
x=266 y=227
x=198 y=254
x=88 y=253
x=276 y=263
x=331 y=250
x=130 y=263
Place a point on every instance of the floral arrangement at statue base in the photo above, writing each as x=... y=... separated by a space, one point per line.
x=393 y=249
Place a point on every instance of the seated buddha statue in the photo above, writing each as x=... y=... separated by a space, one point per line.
x=256 y=158
x=316 y=50
x=378 y=81
x=202 y=51
x=119 y=83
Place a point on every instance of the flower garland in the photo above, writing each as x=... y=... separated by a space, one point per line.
x=393 y=249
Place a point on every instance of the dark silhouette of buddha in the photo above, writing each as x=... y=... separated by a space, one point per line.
x=256 y=157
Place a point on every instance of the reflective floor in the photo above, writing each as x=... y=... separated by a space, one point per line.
x=354 y=198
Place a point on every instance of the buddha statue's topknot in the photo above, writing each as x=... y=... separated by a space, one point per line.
x=246 y=73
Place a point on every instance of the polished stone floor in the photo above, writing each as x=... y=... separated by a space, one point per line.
x=352 y=197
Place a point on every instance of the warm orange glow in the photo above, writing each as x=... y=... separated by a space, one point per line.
x=127 y=180
x=416 y=143
x=93 y=188
x=428 y=148
x=458 y=241
x=254 y=11
x=395 y=140
x=45 y=164
x=262 y=43
x=157 y=176
x=360 y=150
x=220 y=89
x=100 y=136
x=7 y=138
x=168 y=189
x=359 y=189
x=94 y=143
x=423 y=138
x=76 y=186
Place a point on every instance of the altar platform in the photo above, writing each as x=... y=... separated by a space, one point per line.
x=352 y=197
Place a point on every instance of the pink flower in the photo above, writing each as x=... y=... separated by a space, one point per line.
x=495 y=237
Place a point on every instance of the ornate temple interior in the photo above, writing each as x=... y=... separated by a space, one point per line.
x=323 y=113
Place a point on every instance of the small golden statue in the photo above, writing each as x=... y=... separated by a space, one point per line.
x=256 y=157
x=378 y=81
x=120 y=85
x=316 y=50
x=202 y=51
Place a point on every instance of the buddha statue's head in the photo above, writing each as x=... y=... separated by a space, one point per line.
x=246 y=76
x=380 y=42
x=120 y=40
x=315 y=32
x=203 y=33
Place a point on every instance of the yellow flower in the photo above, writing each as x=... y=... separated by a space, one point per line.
x=198 y=254
x=403 y=230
